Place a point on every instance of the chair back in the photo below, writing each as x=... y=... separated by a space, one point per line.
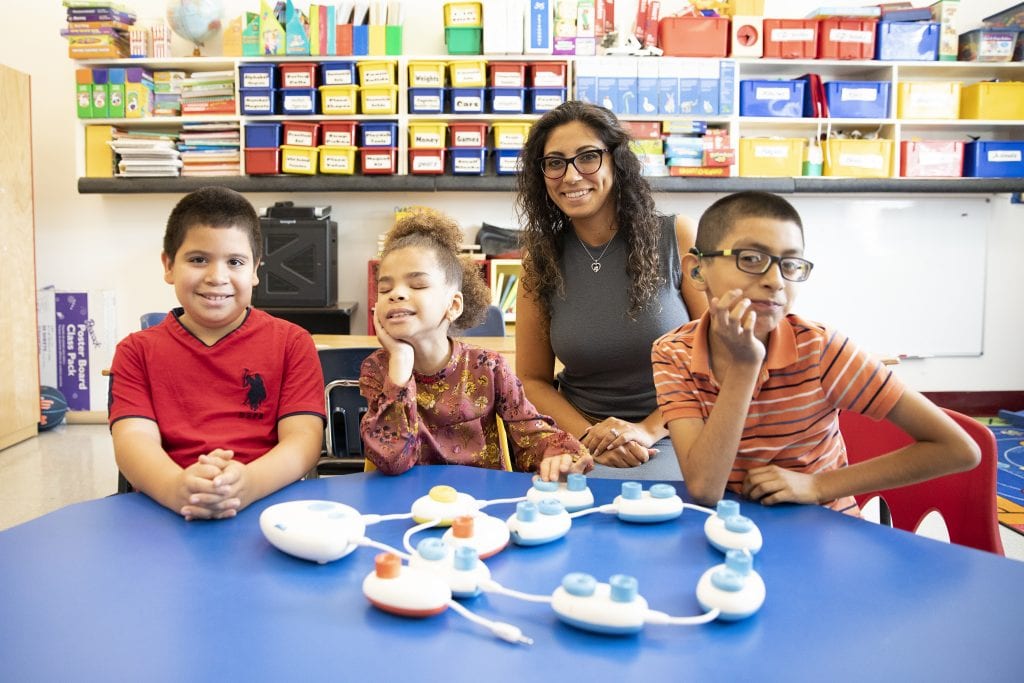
x=345 y=407
x=150 y=319
x=492 y=326
x=966 y=500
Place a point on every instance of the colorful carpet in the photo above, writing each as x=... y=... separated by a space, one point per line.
x=1010 y=484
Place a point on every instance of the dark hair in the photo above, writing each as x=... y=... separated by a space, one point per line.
x=720 y=218
x=213 y=207
x=545 y=224
x=433 y=230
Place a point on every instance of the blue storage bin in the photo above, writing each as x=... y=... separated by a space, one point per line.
x=772 y=98
x=468 y=160
x=545 y=99
x=466 y=100
x=338 y=73
x=907 y=41
x=426 y=100
x=857 y=99
x=507 y=100
x=506 y=161
x=262 y=135
x=257 y=76
x=299 y=101
x=378 y=134
x=258 y=101
x=994 y=159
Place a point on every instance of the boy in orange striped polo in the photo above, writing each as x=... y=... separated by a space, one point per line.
x=751 y=392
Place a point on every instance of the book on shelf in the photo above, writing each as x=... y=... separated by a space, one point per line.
x=508 y=302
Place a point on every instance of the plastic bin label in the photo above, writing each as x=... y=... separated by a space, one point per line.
x=426 y=140
x=426 y=78
x=546 y=102
x=468 y=103
x=842 y=35
x=791 y=35
x=466 y=165
x=463 y=15
x=859 y=95
x=256 y=102
x=340 y=103
x=298 y=79
x=336 y=162
x=377 y=103
x=377 y=138
x=376 y=77
x=468 y=75
x=771 y=151
x=427 y=163
x=469 y=138
x=1004 y=155
x=873 y=161
x=301 y=138
x=509 y=164
x=508 y=79
x=298 y=162
x=256 y=80
x=338 y=138
x=377 y=162
x=508 y=103
x=298 y=102
x=426 y=102
x=511 y=140
x=338 y=77
x=772 y=93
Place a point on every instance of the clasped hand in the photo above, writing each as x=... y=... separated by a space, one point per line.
x=212 y=487
x=618 y=443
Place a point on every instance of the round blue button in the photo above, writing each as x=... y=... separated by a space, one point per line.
x=727 y=508
x=662 y=491
x=550 y=506
x=623 y=588
x=631 y=490
x=465 y=558
x=579 y=584
x=545 y=486
x=576 y=481
x=526 y=511
x=432 y=549
x=739 y=524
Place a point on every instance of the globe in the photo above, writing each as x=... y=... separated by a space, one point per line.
x=197 y=21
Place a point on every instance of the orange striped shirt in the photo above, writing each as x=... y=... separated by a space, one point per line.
x=810 y=372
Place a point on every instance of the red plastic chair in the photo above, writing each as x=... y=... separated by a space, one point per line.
x=966 y=500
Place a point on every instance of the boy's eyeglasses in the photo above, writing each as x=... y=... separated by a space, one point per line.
x=587 y=163
x=757 y=262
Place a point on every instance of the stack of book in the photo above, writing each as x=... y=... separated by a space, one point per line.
x=167 y=92
x=146 y=153
x=97 y=29
x=208 y=92
x=210 y=149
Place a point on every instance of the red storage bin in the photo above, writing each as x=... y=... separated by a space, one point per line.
x=297 y=75
x=379 y=160
x=301 y=133
x=262 y=161
x=338 y=133
x=467 y=134
x=694 y=36
x=547 y=74
x=509 y=74
x=426 y=161
x=791 y=38
x=846 y=38
x=931 y=158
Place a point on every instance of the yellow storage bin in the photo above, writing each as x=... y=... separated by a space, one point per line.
x=340 y=160
x=376 y=73
x=427 y=74
x=771 y=156
x=510 y=134
x=427 y=134
x=992 y=101
x=928 y=100
x=296 y=159
x=468 y=74
x=338 y=99
x=463 y=14
x=378 y=99
x=858 y=158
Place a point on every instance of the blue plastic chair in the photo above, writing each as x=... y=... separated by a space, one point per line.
x=492 y=326
x=150 y=319
x=345 y=406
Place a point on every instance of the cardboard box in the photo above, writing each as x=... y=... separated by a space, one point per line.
x=46 y=316
x=539 y=27
x=944 y=12
x=85 y=335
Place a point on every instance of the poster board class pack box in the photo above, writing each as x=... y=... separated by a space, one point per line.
x=77 y=336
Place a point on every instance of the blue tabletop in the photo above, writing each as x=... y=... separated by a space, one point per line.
x=120 y=588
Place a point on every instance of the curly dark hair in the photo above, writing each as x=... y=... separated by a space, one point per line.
x=433 y=230
x=544 y=223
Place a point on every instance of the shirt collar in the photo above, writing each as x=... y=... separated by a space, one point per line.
x=781 y=350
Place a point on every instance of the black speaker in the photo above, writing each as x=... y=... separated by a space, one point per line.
x=300 y=263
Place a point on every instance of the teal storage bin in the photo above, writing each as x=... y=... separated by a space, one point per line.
x=464 y=40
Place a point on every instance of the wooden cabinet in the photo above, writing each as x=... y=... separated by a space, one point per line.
x=19 y=351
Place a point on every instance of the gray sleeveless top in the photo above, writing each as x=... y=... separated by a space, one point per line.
x=607 y=356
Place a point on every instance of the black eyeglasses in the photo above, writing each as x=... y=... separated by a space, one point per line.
x=757 y=262
x=587 y=163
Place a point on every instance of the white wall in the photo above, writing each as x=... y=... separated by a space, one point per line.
x=113 y=241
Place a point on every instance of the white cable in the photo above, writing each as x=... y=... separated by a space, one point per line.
x=499 y=501
x=374 y=519
x=407 y=543
x=701 y=508
x=655 y=617
x=504 y=631
x=608 y=509
x=492 y=586
x=370 y=543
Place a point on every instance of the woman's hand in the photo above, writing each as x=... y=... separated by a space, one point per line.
x=618 y=443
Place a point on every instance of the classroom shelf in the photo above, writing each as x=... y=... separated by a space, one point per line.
x=416 y=183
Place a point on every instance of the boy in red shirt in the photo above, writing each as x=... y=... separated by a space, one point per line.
x=220 y=404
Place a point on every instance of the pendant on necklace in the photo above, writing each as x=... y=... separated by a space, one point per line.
x=595 y=266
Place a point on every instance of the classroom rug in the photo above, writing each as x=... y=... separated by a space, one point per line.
x=1010 y=481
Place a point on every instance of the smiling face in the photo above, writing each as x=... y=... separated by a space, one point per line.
x=213 y=273
x=771 y=295
x=581 y=197
x=414 y=299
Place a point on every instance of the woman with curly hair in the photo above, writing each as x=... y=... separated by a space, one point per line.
x=432 y=399
x=601 y=281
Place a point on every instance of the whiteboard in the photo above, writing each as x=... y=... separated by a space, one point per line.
x=899 y=276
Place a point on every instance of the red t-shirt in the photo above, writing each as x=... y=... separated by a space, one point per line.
x=229 y=395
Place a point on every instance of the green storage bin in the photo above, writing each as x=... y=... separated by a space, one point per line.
x=464 y=40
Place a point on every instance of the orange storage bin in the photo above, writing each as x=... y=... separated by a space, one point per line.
x=694 y=36
x=262 y=161
x=791 y=38
x=846 y=38
x=301 y=133
x=508 y=74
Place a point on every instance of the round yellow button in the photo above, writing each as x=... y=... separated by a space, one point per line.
x=443 y=494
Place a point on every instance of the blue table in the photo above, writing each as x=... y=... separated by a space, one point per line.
x=121 y=588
